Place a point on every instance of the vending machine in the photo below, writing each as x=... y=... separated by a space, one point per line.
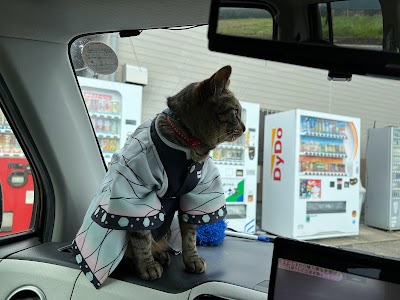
x=383 y=178
x=115 y=110
x=237 y=163
x=16 y=183
x=311 y=175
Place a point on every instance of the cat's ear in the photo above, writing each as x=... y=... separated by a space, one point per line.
x=216 y=83
x=221 y=77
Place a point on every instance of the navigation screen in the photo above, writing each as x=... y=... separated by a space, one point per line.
x=295 y=280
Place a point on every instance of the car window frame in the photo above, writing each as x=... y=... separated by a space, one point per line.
x=43 y=213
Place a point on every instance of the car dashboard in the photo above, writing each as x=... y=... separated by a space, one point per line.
x=238 y=269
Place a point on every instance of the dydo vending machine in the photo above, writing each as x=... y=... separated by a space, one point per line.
x=311 y=185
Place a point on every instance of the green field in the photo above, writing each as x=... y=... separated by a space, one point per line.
x=246 y=27
x=356 y=26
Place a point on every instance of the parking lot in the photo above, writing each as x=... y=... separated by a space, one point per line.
x=370 y=239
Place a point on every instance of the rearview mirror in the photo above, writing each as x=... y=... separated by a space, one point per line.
x=345 y=37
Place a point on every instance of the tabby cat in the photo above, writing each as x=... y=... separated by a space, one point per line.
x=163 y=168
x=209 y=114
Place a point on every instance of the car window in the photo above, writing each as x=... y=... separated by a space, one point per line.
x=319 y=158
x=246 y=22
x=354 y=25
x=17 y=183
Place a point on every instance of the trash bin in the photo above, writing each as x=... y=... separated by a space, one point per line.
x=363 y=191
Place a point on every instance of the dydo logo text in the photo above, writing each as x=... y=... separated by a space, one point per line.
x=276 y=156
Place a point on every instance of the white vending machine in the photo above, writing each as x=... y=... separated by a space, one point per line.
x=383 y=178
x=311 y=175
x=237 y=162
x=115 y=110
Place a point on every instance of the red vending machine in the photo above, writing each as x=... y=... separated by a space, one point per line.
x=16 y=183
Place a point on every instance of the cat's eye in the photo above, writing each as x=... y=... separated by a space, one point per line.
x=236 y=111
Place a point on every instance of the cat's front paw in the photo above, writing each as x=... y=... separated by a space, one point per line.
x=195 y=264
x=162 y=257
x=150 y=271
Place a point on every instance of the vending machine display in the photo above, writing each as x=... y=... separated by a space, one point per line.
x=115 y=110
x=237 y=163
x=311 y=175
x=383 y=178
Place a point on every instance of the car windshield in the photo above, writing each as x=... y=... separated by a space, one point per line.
x=315 y=137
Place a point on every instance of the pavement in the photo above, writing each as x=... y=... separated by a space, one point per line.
x=373 y=240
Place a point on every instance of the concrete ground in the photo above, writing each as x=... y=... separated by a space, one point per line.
x=370 y=239
x=376 y=241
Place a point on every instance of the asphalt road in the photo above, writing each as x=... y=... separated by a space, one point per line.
x=370 y=239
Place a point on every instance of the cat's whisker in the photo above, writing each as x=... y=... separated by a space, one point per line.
x=226 y=133
x=225 y=136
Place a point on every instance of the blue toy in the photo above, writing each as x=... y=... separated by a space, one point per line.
x=211 y=234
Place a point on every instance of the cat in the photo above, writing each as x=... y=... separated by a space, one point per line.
x=163 y=168
x=209 y=111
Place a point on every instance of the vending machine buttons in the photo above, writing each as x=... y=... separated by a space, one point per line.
x=15 y=166
x=130 y=122
x=17 y=179
x=239 y=173
x=353 y=181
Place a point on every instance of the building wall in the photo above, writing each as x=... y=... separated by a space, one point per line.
x=175 y=58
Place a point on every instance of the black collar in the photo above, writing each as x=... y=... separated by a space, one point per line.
x=173 y=115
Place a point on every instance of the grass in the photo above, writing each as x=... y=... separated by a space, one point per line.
x=251 y=27
x=359 y=27
x=354 y=26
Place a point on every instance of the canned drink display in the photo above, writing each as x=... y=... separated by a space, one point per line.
x=107 y=125
x=5 y=124
x=115 y=107
x=113 y=145
x=17 y=147
x=102 y=105
x=107 y=106
x=94 y=123
x=8 y=142
x=114 y=126
x=217 y=154
x=93 y=105
x=100 y=124
x=2 y=117
x=1 y=142
x=305 y=166
x=105 y=144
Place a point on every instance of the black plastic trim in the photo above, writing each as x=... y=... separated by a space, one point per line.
x=18 y=246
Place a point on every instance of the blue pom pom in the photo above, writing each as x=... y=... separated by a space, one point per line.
x=211 y=234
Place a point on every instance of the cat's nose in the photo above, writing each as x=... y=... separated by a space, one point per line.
x=243 y=127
